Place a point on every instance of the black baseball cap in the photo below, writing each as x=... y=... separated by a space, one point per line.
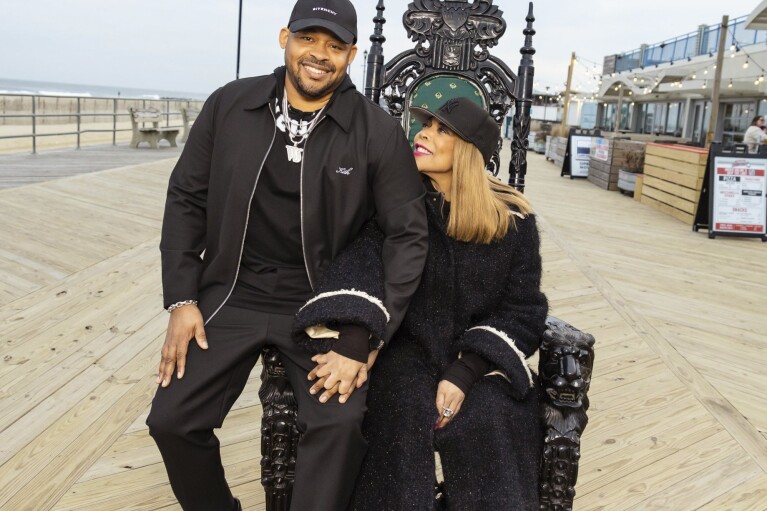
x=338 y=16
x=468 y=120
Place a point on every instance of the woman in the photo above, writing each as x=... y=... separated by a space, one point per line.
x=454 y=376
x=755 y=134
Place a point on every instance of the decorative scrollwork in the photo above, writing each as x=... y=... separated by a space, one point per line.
x=454 y=35
x=395 y=92
x=497 y=90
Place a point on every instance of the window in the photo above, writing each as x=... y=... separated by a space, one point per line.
x=736 y=118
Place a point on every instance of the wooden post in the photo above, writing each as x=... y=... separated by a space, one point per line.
x=564 y=130
x=717 y=82
x=618 y=109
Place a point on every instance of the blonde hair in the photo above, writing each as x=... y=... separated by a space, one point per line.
x=479 y=206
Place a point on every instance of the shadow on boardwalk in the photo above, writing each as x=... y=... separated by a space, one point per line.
x=678 y=417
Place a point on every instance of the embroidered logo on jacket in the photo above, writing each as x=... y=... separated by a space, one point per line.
x=344 y=171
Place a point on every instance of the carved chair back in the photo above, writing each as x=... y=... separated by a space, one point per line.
x=453 y=39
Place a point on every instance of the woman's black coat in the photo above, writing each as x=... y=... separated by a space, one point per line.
x=480 y=298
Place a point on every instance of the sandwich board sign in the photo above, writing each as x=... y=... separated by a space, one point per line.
x=737 y=193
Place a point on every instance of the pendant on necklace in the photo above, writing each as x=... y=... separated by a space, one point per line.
x=295 y=154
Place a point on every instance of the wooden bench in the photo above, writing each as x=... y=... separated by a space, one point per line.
x=140 y=117
x=188 y=115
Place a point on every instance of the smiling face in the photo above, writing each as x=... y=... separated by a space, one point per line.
x=316 y=61
x=433 y=149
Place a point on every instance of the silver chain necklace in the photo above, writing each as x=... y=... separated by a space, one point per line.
x=295 y=153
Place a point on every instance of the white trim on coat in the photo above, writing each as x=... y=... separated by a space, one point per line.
x=351 y=292
x=508 y=340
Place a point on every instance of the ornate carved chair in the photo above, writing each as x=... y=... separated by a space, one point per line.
x=452 y=58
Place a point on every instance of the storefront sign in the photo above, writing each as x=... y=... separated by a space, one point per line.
x=739 y=189
x=580 y=149
x=601 y=149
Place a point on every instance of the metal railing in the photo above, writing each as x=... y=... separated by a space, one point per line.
x=36 y=117
x=703 y=41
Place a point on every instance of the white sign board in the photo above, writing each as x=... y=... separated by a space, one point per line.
x=580 y=148
x=739 y=204
x=601 y=149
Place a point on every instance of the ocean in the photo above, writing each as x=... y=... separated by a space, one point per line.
x=9 y=86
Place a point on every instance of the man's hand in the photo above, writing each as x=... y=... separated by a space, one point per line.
x=185 y=322
x=337 y=374
x=449 y=397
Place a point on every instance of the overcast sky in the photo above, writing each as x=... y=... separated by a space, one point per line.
x=190 y=45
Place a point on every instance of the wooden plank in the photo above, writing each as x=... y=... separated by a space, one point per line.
x=682 y=192
x=651 y=450
x=689 y=169
x=700 y=488
x=749 y=496
x=668 y=199
x=687 y=154
x=673 y=177
x=651 y=480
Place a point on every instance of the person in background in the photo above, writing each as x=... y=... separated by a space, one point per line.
x=279 y=174
x=755 y=134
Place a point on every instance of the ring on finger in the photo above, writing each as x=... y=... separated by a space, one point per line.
x=447 y=412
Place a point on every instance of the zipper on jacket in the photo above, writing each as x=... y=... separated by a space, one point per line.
x=301 y=203
x=247 y=217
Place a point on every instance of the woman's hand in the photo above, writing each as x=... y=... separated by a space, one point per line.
x=450 y=398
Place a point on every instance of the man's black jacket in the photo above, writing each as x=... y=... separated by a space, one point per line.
x=357 y=165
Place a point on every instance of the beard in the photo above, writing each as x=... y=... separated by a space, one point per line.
x=310 y=90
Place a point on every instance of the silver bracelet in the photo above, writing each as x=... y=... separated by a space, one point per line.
x=181 y=304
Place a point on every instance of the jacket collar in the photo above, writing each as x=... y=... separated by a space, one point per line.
x=340 y=108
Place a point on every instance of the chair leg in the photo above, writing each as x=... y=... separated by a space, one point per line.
x=279 y=432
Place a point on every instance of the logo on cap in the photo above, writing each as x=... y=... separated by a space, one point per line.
x=450 y=106
x=325 y=9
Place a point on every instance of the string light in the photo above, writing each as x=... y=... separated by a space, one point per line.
x=729 y=85
x=745 y=64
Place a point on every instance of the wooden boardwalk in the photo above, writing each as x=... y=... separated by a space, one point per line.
x=19 y=169
x=679 y=413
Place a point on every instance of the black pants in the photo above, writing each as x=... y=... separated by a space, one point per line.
x=185 y=413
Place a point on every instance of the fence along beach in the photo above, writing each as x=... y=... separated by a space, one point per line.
x=51 y=112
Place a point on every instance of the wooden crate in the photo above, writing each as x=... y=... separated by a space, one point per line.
x=673 y=179
x=557 y=149
x=607 y=157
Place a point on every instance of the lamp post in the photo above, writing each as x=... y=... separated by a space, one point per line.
x=239 y=40
x=364 y=68
x=546 y=103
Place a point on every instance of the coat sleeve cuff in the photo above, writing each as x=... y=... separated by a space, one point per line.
x=502 y=352
x=342 y=307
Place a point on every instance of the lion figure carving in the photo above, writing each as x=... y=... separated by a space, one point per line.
x=565 y=366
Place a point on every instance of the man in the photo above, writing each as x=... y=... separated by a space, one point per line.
x=279 y=174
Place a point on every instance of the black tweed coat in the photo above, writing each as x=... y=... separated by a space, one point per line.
x=480 y=298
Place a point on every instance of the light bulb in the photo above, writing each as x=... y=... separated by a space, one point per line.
x=694 y=76
x=745 y=64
